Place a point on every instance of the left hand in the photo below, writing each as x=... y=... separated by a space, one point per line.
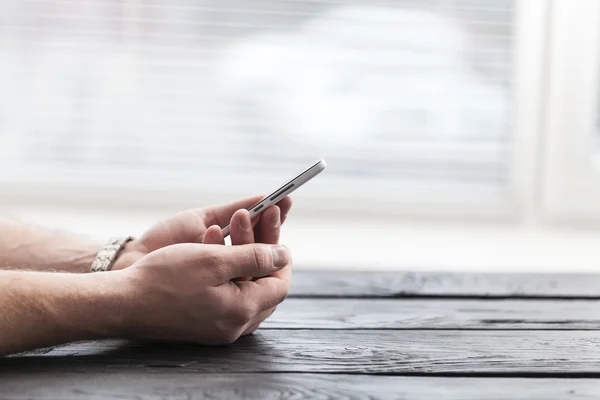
x=204 y=224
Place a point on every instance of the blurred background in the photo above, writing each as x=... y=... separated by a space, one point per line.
x=460 y=134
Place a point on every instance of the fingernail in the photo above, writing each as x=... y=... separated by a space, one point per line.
x=245 y=222
x=280 y=256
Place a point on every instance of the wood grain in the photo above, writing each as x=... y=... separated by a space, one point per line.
x=435 y=314
x=173 y=385
x=514 y=353
x=407 y=284
x=358 y=336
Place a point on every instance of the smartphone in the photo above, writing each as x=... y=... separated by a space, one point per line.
x=283 y=191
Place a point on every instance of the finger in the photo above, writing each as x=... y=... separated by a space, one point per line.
x=265 y=293
x=253 y=260
x=285 y=205
x=255 y=221
x=213 y=235
x=254 y=324
x=269 y=228
x=251 y=330
x=240 y=230
x=263 y=316
x=189 y=226
x=284 y=273
x=221 y=215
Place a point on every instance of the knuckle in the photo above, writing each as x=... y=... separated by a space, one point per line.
x=200 y=213
x=283 y=295
x=280 y=299
x=259 y=258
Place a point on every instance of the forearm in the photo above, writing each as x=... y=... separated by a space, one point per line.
x=25 y=247
x=40 y=309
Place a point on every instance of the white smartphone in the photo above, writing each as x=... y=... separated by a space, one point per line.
x=283 y=191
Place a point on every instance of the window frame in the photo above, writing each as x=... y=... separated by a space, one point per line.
x=571 y=184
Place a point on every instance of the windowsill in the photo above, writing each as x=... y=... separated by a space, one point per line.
x=408 y=245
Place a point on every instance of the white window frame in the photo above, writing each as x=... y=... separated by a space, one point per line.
x=405 y=199
x=571 y=183
x=529 y=73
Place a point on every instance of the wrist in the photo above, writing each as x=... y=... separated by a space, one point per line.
x=46 y=309
x=110 y=303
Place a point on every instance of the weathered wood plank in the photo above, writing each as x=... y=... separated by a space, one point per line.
x=406 y=284
x=330 y=351
x=185 y=385
x=435 y=314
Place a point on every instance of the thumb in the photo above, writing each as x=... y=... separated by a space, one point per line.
x=253 y=260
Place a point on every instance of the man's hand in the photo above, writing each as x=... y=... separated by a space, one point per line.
x=182 y=292
x=204 y=225
x=30 y=248
x=176 y=288
x=185 y=292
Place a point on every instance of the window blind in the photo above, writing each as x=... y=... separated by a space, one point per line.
x=156 y=91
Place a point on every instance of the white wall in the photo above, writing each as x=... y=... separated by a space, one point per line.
x=394 y=244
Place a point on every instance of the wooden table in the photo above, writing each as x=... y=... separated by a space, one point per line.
x=358 y=335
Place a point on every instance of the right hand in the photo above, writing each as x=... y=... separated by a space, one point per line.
x=265 y=228
x=185 y=292
x=192 y=226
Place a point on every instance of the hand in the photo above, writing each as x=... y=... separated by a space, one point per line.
x=191 y=227
x=185 y=292
x=263 y=229
x=244 y=231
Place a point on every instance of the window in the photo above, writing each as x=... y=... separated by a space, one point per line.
x=572 y=178
x=426 y=105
